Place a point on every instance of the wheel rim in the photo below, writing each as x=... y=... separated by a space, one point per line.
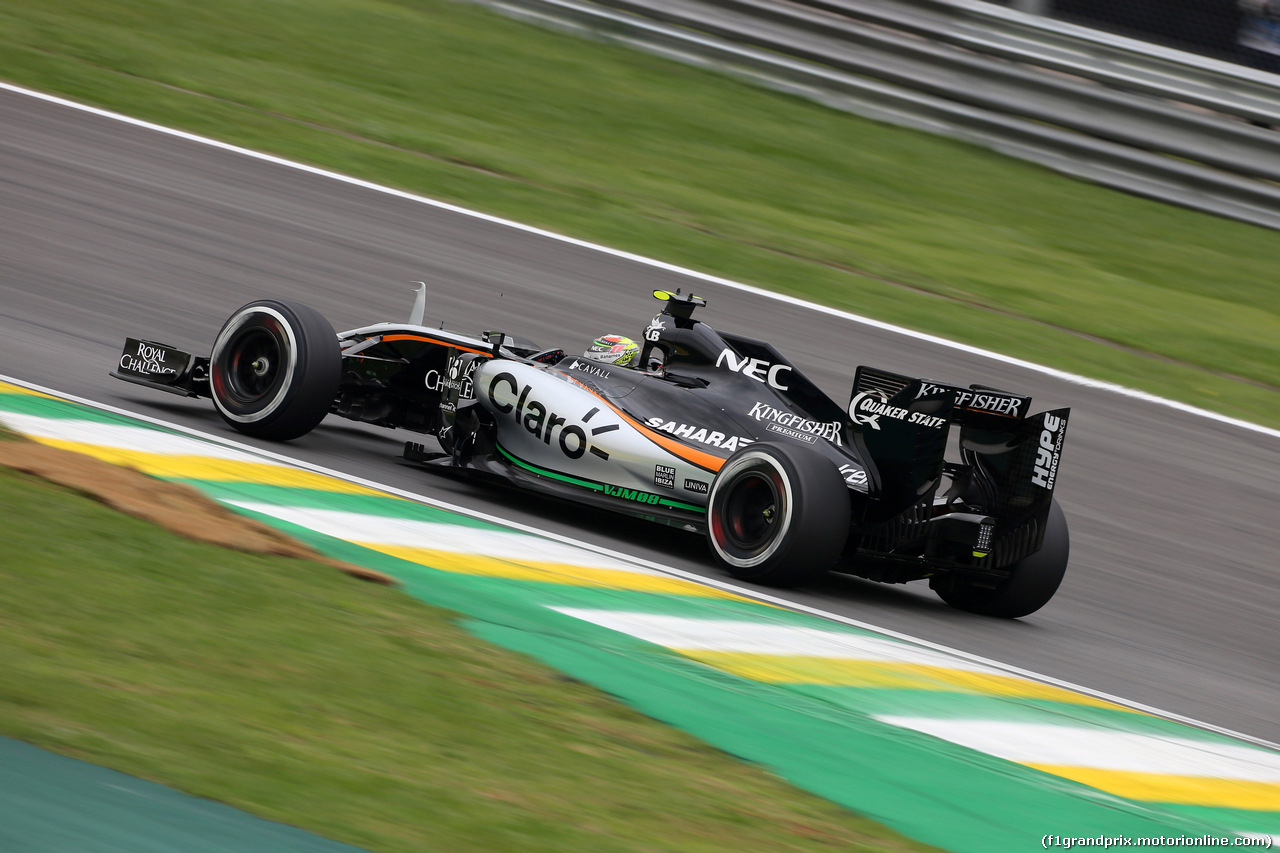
x=749 y=511
x=254 y=359
x=254 y=368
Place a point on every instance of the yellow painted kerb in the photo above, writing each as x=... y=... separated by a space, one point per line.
x=10 y=388
x=190 y=467
x=1180 y=790
x=547 y=572
x=848 y=672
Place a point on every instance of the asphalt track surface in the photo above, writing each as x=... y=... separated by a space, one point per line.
x=108 y=229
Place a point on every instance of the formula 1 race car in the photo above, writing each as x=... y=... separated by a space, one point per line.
x=710 y=431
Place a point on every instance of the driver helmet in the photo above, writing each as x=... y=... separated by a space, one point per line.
x=614 y=349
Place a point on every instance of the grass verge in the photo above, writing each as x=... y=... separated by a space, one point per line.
x=623 y=148
x=286 y=688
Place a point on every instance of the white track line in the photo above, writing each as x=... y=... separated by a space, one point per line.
x=667 y=570
x=122 y=437
x=1096 y=747
x=640 y=259
x=761 y=638
x=373 y=530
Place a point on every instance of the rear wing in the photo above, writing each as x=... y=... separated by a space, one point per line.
x=975 y=406
x=1012 y=457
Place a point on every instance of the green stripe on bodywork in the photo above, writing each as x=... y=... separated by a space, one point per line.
x=592 y=484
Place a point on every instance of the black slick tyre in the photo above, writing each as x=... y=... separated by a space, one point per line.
x=1032 y=581
x=274 y=369
x=777 y=515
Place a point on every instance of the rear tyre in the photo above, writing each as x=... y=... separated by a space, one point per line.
x=777 y=515
x=274 y=369
x=1031 y=583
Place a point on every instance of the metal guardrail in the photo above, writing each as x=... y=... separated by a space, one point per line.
x=965 y=78
x=1024 y=90
x=1123 y=63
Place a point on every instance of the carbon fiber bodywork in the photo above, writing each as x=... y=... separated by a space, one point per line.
x=650 y=440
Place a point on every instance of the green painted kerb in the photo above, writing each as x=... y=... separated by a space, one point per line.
x=938 y=793
x=824 y=739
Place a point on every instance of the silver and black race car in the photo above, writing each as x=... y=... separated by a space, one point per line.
x=710 y=431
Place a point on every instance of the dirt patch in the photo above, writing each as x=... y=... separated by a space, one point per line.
x=174 y=506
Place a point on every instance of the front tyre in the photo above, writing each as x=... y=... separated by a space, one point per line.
x=1031 y=583
x=777 y=515
x=274 y=370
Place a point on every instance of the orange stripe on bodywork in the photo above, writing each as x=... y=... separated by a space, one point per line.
x=427 y=340
x=689 y=454
x=698 y=457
